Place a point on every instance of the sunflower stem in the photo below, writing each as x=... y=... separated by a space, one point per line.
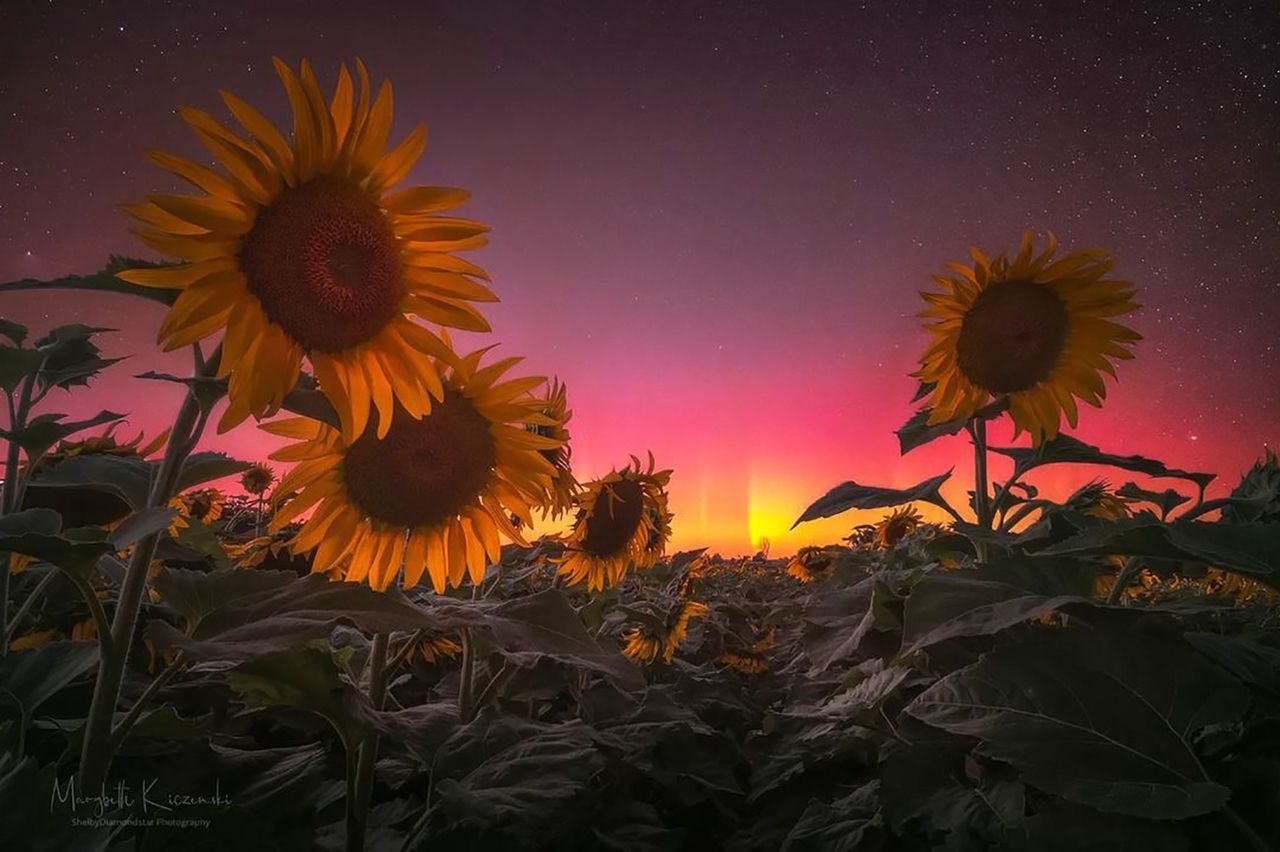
x=96 y=752
x=27 y=604
x=9 y=499
x=1123 y=579
x=466 y=674
x=981 y=503
x=362 y=790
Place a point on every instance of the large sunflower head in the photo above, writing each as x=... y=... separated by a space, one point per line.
x=434 y=495
x=895 y=526
x=301 y=248
x=622 y=521
x=556 y=413
x=1034 y=329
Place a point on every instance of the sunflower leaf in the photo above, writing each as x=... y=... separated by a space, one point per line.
x=45 y=430
x=851 y=495
x=1252 y=549
x=1102 y=720
x=15 y=331
x=944 y=606
x=70 y=357
x=1166 y=501
x=104 y=281
x=1068 y=450
x=917 y=432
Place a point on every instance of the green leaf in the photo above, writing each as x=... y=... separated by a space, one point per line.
x=205 y=467
x=45 y=430
x=16 y=364
x=103 y=281
x=208 y=390
x=1166 y=501
x=78 y=557
x=16 y=332
x=1252 y=549
x=1068 y=450
x=139 y=525
x=1064 y=827
x=159 y=723
x=851 y=495
x=1248 y=659
x=917 y=432
x=70 y=356
x=263 y=777
x=842 y=825
x=29 y=678
x=195 y=594
x=928 y=781
x=39 y=521
x=944 y=606
x=544 y=625
x=836 y=624
x=305 y=679
x=1102 y=719
x=513 y=777
x=125 y=478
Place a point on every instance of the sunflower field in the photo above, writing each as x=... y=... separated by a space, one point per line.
x=358 y=643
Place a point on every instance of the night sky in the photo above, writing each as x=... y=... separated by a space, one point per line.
x=712 y=219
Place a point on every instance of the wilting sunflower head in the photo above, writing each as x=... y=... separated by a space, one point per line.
x=641 y=644
x=554 y=408
x=300 y=248
x=1094 y=499
x=895 y=526
x=435 y=494
x=83 y=507
x=679 y=629
x=205 y=505
x=809 y=563
x=257 y=479
x=622 y=521
x=1033 y=329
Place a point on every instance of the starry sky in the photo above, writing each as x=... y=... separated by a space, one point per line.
x=712 y=219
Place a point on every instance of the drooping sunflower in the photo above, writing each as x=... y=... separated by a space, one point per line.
x=622 y=521
x=205 y=505
x=555 y=408
x=752 y=660
x=434 y=495
x=895 y=526
x=1033 y=329
x=812 y=562
x=302 y=250
x=436 y=647
x=257 y=479
x=645 y=643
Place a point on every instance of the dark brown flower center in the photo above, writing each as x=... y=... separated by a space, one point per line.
x=1012 y=336
x=614 y=518
x=425 y=471
x=324 y=264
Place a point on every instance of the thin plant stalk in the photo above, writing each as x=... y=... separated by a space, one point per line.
x=360 y=793
x=981 y=503
x=96 y=752
x=9 y=493
x=27 y=604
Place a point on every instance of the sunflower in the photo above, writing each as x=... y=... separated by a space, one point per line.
x=622 y=521
x=679 y=631
x=1032 y=329
x=436 y=648
x=205 y=505
x=810 y=563
x=434 y=494
x=257 y=479
x=555 y=408
x=642 y=645
x=753 y=660
x=301 y=249
x=895 y=526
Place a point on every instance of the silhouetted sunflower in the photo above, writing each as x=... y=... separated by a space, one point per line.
x=257 y=479
x=645 y=644
x=301 y=250
x=1034 y=329
x=435 y=494
x=555 y=407
x=893 y=527
x=622 y=521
